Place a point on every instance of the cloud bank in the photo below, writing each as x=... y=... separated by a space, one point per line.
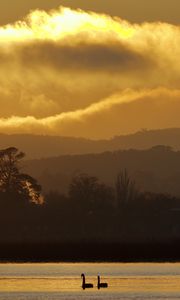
x=77 y=73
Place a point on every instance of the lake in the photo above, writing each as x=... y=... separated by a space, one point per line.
x=63 y=281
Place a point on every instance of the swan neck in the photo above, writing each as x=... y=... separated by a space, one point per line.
x=83 y=279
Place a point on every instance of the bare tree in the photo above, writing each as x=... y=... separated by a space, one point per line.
x=125 y=188
x=89 y=194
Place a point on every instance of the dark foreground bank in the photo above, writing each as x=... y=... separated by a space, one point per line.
x=75 y=252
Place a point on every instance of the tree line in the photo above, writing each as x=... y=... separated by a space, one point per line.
x=90 y=211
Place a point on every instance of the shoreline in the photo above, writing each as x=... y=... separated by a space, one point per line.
x=90 y=252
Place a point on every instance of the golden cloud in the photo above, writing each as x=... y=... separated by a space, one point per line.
x=64 y=69
x=123 y=112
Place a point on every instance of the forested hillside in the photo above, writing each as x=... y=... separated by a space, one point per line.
x=156 y=169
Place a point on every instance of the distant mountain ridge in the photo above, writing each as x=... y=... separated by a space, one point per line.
x=36 y=146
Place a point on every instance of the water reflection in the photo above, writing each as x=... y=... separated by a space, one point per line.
x=132 y=284
x=125 y=281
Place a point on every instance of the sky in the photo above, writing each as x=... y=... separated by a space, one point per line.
x=91 y=69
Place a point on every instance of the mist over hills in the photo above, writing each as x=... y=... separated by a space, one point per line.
x=55 y=160
x=155 y=170
x=36 y=146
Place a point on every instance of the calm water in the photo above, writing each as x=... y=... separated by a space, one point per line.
x=62 y=281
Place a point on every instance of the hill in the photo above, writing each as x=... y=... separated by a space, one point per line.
x=36 y=146
x=156 y=169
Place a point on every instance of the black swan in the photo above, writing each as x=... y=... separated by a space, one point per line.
x=84 y=284
x=101 y=284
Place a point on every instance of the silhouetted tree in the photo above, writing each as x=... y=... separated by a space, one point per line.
x=13 y=183
x=89 y=194
x=125 y=189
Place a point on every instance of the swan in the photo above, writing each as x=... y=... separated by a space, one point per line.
x=101 y=284
x=84 y=284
